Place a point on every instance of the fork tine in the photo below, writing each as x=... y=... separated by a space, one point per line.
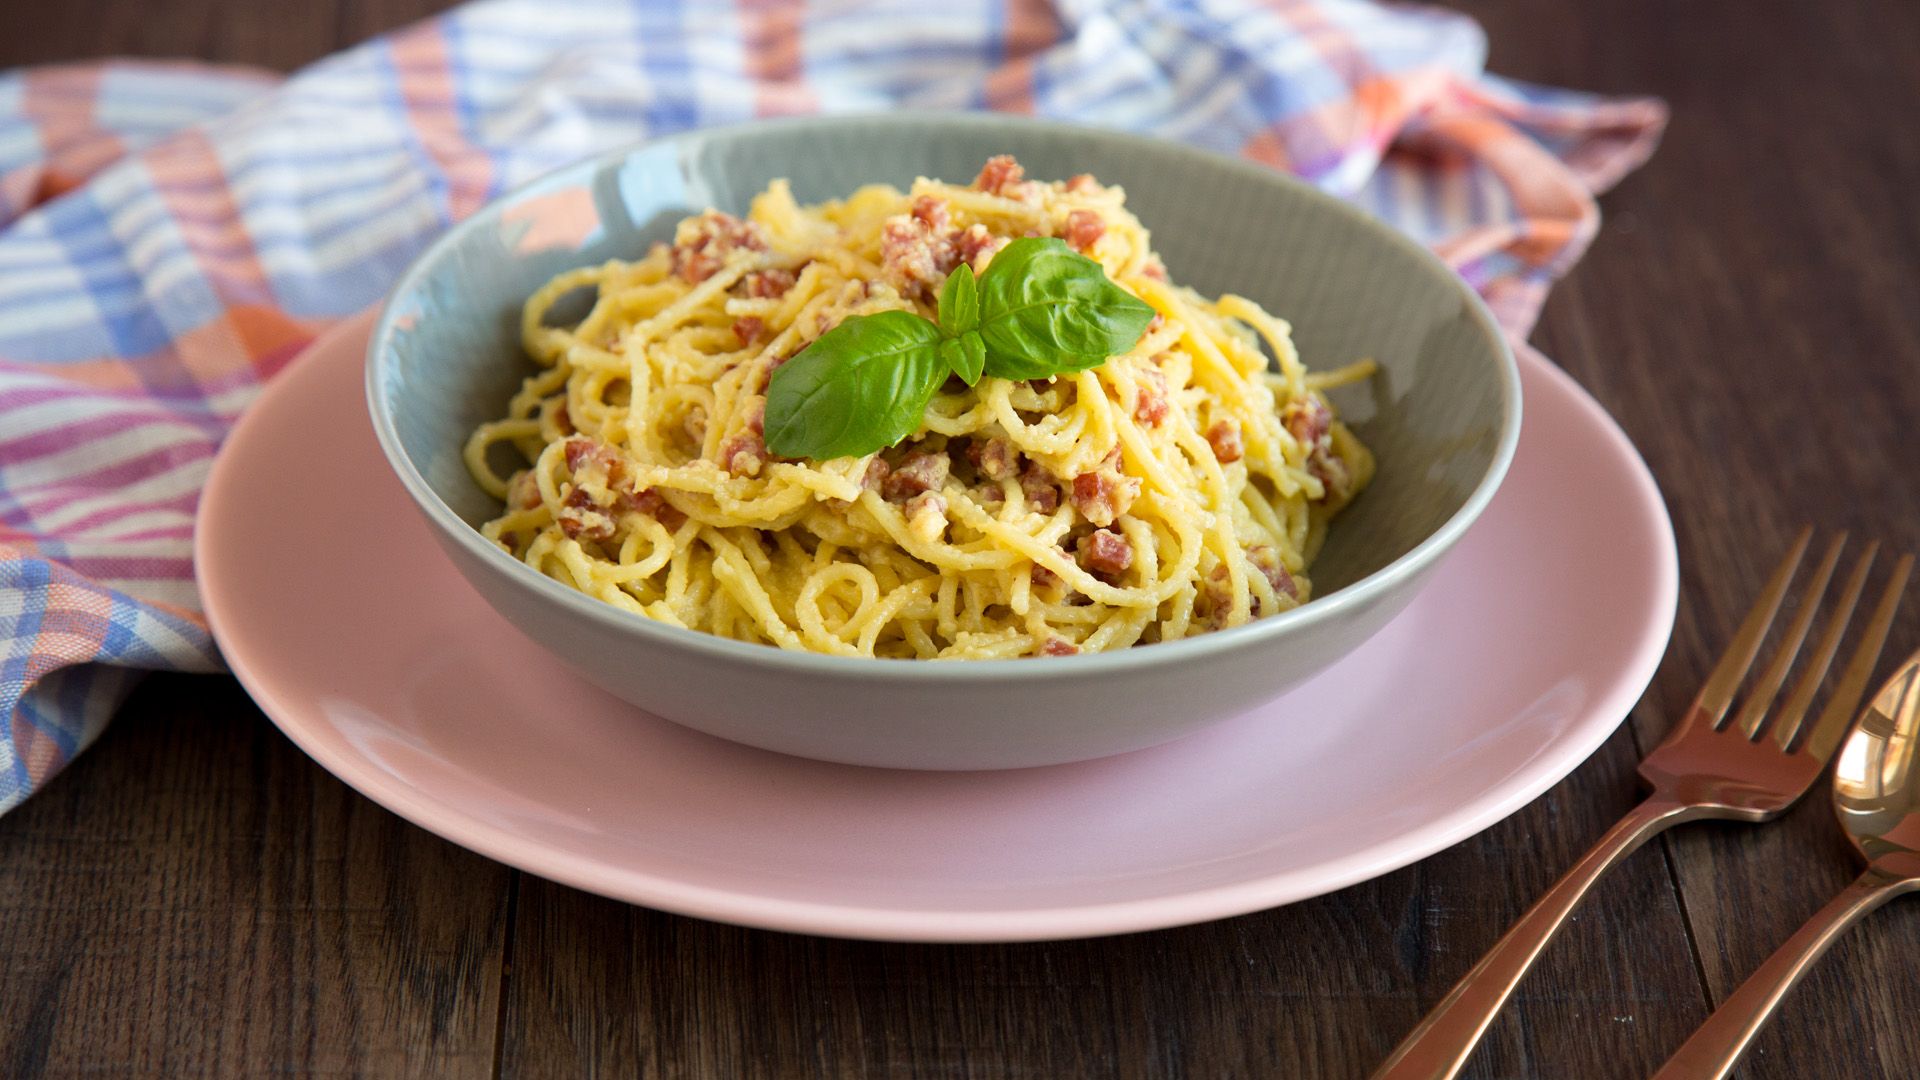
x=1718 y=691
x=1787 y=725
x=1827 y=731
x=1760 y=698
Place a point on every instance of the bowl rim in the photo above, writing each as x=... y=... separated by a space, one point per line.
x=1084 y=665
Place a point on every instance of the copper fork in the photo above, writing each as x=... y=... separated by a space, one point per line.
x=1749 y=768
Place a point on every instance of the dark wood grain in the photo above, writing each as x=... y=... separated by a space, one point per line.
x=277 y=34
x=194 y=897
x=1750 y=314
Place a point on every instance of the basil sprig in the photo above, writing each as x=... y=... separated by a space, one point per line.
x=1040 y=310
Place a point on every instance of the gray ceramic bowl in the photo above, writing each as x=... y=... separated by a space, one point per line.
x=1442 y=417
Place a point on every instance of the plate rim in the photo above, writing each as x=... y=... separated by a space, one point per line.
x=1555 y=761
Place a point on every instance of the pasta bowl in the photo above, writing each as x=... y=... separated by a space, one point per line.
x=1441 y=416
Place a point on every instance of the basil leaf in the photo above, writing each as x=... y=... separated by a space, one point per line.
x=1046 y=310
x=966 y=355
x=959 y=304
x=861 y=387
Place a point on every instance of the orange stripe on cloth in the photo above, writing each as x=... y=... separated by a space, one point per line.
x=248 y=343
x=1268 y=148
x=107 y=373
x=72 y=631
x=1376 y=110
x=191 y=183
x=254 y=339
x=16 y=546
x=1031 y=30
x=38 y=752
x=770 y=33
x=61 y=102
x=427 y=88
x=1559 y=216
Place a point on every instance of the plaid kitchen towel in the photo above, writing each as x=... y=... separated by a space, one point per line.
x=171 y=235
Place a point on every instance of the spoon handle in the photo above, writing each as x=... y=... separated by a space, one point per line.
x=1437 y=1048
x=1716 y=1048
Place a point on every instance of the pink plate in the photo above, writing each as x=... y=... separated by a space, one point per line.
x=354 y=633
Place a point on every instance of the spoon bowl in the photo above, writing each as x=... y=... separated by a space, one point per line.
x=1876 y=793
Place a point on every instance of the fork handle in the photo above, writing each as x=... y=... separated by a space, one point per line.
x=1445 y=1039
x=1716 y=1048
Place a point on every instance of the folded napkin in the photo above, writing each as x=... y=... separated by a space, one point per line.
x=171 y=235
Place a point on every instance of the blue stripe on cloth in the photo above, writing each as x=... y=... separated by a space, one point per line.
x=660 y=40
x=132 y=326
x=19 y=136
x=136 y=101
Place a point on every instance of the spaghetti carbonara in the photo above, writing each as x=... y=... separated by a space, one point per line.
x=1180 y=488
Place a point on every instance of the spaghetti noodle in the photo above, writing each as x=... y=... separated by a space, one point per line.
x=1179 y=488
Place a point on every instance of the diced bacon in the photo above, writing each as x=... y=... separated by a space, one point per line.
x=1040 y=486
x=655 y=506
x=1101 y=496
x=1224 y=437
x=932 y=209
x=969 y=245
x=1155 y=269
x=696 y=266
x=1267 y=561
x=1043 y=578
x=1058 y=646
x=592 y=461
x=523 y=491
x=993 y=457
x=1333 y=473
x=1150 y=405
x=1307 y=420
x=1104 y=551
x=999 y=174
x=749 y=328
x=1082 y=184
x=765 y=284
x=1084 y=229
x=916 y=474
x=583 y=519
x=927 y=516
x=743 y=455
x=990 y=496
x=1104 y=494
x=914 y=257
x=702 y=245
x=579 y=451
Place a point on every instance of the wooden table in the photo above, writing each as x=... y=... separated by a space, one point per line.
x=194 y=897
